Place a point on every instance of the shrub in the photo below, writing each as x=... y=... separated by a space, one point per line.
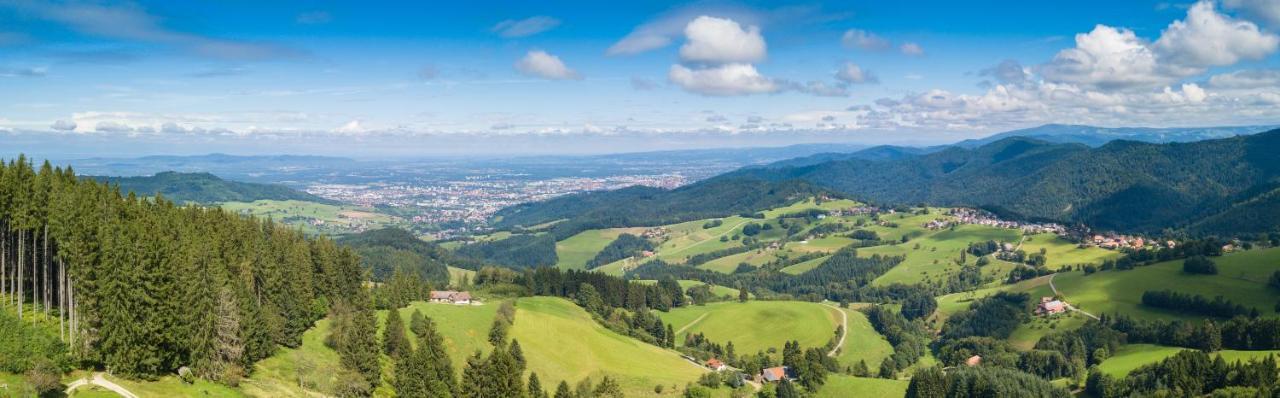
x=1199 y=265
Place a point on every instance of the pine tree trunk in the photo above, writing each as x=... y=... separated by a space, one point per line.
x=62 y=300
x=45 y=267
x=22 y=244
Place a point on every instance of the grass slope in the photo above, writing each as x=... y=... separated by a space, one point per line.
x=756 y=325
x=1134 y=356
x=863 y=343
x=575 y=251
x=562 y=342
x=840 y=386
x=1242 y=278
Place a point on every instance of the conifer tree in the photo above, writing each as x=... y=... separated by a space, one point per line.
x=535 y=387
x=517 y=354
x=394 y=342
x=562 y=390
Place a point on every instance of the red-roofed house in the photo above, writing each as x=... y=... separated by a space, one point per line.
x=716 y=364
x=775 y=374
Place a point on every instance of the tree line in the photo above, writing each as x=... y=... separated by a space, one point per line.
x=144 y=286
x=1196 y=304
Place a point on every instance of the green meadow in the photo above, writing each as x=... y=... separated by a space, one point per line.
x=756 y=325
x=561 y=342
x=840 y=386
x=1242 y=278
x=575 y=251
x=1134 y=356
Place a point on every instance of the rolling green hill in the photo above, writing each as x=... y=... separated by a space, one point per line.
x=382 y=251
x=562 y=342
x=756 y=325
x=1115 y=186
x=206 y=188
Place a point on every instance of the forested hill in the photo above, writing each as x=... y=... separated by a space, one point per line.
x=384 y=251
x=1215 y=186
x=206 y=188
x=645 y=206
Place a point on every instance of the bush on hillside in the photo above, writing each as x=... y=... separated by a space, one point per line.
x=1199 y=265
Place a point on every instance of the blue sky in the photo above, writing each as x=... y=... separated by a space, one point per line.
x=422 y=78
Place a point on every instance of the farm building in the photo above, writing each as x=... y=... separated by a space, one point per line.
x=1050 y=306
x=716 y=365
x=451 y=297
x=776 y=374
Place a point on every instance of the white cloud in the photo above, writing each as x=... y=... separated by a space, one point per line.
x=538 y=63
x=822 y=89
x=853 y=74
x=1246 y=79
x=723 y=80
x=351 y=127
x=1106 y=57
x=1007 y=72
x=1265 y=11
x=911 y=49
x=1207 y=38
x=720 y=40
x=861 y=39
x=63 y=125
x=525 y=27
x=1115 y=58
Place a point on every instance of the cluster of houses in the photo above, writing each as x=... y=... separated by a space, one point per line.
x=963 y=215
x=654 y=233
x=450 y=297
x=857 y=211
x=1117 y=241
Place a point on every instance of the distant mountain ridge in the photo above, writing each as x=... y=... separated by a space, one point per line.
x=1099 y=136
x=1220 y=186
x=206 y=188
x=1206 y=186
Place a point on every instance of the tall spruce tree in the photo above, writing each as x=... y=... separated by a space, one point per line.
x=394 y=342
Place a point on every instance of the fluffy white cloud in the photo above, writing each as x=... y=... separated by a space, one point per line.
x=1208 y=38
x=525 y=27
x=1265 y=11
x=720 y=40
x=1246 y=79
x=351 y=127
x=861 y=39
x=63 y=125
x=1106 y=57
x=853 y=74
x=1115 y=58
x=723 y=80
x=539 y=63
x=912 y=49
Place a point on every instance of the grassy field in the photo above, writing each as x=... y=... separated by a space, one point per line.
x=1059 y=251
x=314 y=217
x=278 y=376
x=457 y=274
x=839 y=386
x=575 y=251
x=1242 y=278
x=562 y=342
x=728 y=264
x=1134 y=356
x=932 y=256
x=171 y=386
x=756 y=325
x=797 y=269
x=465 y=328
x=863 y=343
